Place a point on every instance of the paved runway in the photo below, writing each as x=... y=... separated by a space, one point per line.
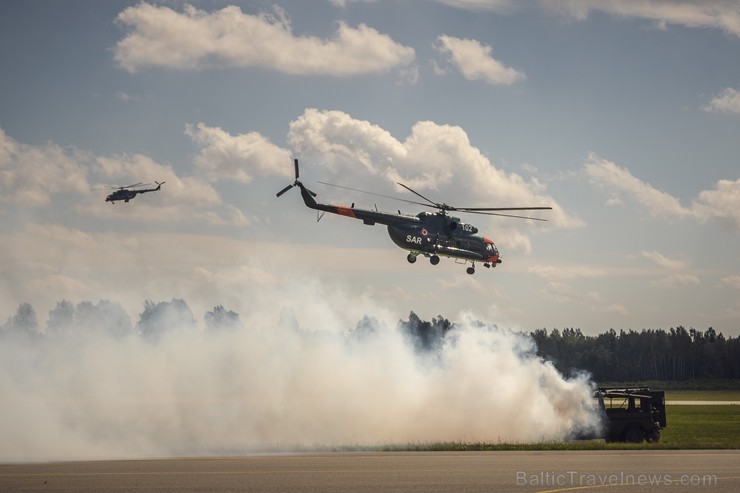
x=639 y=471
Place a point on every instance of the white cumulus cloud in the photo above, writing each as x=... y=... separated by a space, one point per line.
x=224 y=156
x=475 y=62
x=195 y=39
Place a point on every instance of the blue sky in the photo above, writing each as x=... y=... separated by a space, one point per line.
x=622 y=115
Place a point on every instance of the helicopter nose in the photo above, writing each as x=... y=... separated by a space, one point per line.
x=492 y=251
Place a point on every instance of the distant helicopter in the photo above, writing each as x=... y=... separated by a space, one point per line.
x=129 y=191
x=430 y=234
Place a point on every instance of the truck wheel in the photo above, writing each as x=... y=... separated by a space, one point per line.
x=634 y=435
x=653 y=437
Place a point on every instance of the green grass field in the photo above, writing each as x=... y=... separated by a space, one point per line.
x=702 y=395
x=706 y=427
x=689 y=427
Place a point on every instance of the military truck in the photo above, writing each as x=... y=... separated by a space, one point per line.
x=632 y=414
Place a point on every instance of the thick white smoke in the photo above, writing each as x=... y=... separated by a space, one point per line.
x=296 y=375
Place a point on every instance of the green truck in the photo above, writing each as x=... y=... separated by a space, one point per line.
x=631 y=414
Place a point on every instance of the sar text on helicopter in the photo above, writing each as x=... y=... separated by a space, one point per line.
x=130 y=191
x=431 y=234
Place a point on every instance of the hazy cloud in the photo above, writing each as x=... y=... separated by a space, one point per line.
x=182 y=199
x=717 y=14
x=31 y=175
x=343 y=3
x=196 y=39
x=676 y=280
x=721 y=203
x=661 y=260
x=39 y=176
x=618 y=309
x=732 y=281
x=474 y=61
x=727 y=101
x=615 y=179
x=565 y=272
x=483 y=5
x=559 y=292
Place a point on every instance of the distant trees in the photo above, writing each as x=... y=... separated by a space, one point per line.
x=87 y=318
x=23 y=324
x=159 y=318
x=219 y=319
x=108 y=318
x=425 y=336
x=677 y=354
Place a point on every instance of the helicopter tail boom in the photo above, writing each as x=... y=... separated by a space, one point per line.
x=367 y=216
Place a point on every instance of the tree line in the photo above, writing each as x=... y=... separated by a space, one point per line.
x=109 y=318
x=677 y=354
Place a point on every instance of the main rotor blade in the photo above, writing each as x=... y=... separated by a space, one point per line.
x=131 y=186
x=376 y=194
x=284 y=190
x=420 y=195
x=504 y=215
x=472 y=209
x=444 y=207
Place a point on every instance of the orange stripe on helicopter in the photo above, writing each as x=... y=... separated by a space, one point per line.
x=345 y=211
x=492 y=258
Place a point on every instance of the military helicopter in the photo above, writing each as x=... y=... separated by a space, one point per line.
x=126 y=193
x=431 y=234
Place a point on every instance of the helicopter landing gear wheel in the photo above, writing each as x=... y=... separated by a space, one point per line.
x=434 y=259
x=411 y=258
x=471 y=270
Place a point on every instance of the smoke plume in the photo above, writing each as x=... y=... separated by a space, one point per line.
x=321 y=370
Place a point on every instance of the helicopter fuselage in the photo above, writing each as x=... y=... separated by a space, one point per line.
x=126 y=193
x=123 y=194
x=427 y=233
x=430 y=239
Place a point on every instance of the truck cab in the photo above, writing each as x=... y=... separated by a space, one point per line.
x=632 y=414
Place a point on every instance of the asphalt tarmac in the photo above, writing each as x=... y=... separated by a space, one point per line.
x=583 y=471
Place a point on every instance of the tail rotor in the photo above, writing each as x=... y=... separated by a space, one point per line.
x=295 y=183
